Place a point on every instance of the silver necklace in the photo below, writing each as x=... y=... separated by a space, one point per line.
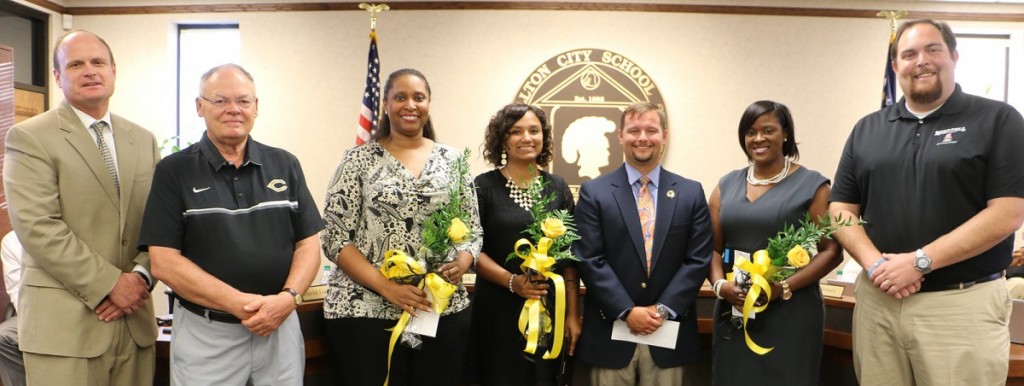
x=768 y=181
x=519 y=195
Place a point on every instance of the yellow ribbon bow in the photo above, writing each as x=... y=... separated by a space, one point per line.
x=757 y=269
x=398 y=265
x=537 y=259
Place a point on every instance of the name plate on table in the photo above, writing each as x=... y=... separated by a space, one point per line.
x=832 y=291
x=316 y=292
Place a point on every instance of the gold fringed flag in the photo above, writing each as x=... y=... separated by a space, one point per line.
x=371 y=95
x=370 y=109
x=889 y=82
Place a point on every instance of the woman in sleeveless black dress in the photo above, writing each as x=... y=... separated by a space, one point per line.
x=749 y=206
x=518 y=142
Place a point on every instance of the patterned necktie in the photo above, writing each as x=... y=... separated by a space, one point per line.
x=646 y=207
x=105 y=152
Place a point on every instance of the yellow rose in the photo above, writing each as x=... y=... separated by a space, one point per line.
x=798 y=256
x=458 y=232
x=552 y=227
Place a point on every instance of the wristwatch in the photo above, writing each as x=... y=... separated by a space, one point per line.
x=662 y=310
x=786 y=293
x=295 y=295
x=922 y=262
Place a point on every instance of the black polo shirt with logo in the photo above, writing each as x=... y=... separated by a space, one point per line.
x=238 y=224
x=918 y=179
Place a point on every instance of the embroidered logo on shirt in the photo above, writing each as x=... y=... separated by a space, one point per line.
x=947 y=135
x=198 y=190
x=277 y=185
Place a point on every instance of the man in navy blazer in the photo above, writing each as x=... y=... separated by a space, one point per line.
x=622 y=282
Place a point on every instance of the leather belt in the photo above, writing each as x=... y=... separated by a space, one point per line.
x=214 y=315
x=965 y=284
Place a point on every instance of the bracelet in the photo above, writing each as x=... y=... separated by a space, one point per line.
x=510 y=278
x=717 y=287
x=871 y=269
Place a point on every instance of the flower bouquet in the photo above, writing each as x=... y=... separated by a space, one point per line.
x=787 y=253
x=444 y=233
x=554 y=232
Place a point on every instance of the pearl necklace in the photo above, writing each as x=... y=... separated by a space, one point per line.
x=519 y=195
x=769 y=181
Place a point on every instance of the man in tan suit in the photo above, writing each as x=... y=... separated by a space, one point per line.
x=77 y=179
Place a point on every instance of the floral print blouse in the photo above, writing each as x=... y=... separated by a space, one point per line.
x=374 y=203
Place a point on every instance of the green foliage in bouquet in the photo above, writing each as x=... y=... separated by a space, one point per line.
x=557 y=225
x=447 y=227
x=789 y=248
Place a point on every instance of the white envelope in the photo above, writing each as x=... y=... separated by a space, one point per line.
x=424 y=323
x=663 y=337
x=740 y=276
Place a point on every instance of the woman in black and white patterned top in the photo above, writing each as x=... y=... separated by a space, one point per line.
x=379 y=198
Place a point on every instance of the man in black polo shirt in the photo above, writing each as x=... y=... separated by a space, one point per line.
x=939 y=178
x=231 y=227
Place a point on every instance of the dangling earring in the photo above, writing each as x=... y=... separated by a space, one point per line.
x=503 y=158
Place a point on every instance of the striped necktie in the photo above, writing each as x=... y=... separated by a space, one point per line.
x=98 y=128
x=646 y=207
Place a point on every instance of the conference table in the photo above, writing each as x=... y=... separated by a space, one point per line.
x=837 y=362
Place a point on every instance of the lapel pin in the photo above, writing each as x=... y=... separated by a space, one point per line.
x=670 y=194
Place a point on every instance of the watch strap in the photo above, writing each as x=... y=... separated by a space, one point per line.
x=663 y=311
x=295 y=294
x=926 y=266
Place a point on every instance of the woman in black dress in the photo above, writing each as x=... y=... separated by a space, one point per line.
x=748 y=206
x=518 y=143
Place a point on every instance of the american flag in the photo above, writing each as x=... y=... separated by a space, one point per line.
x=889 y=83
x=371 y=95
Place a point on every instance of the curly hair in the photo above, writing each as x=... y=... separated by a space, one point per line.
x=497 y=133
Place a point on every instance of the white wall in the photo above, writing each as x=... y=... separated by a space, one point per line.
x=310 y=67
x=309 y=70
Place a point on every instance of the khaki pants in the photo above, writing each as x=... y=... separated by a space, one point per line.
x=640 y=371
x=954 y=337
x=207 y=352
x=124 y=363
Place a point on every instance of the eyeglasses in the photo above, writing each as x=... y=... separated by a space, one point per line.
x=243 y=104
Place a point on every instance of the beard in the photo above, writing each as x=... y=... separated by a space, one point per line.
x=924 y=94
x=654 y=155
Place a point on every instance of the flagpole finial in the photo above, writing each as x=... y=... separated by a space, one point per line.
x=892 y=16
x=374 y=9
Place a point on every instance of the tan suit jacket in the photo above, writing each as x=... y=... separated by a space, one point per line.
x=79 y=234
